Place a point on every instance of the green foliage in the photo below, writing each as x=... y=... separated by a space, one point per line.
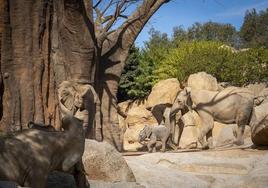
x=254 y=31
x=237 y=68
x=199 y=48
x=213 y=31
x=130 y=72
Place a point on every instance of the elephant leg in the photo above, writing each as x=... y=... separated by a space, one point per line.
x=209 y=139
x=80 y=175
x=240 y=132
x=36 y=179
x=206 y=130
x=164 y=143
x=151 y=144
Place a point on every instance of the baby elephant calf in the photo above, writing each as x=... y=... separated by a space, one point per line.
x=155 y=133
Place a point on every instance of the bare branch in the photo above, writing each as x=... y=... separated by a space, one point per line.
x=130 y=29
x=97 y=4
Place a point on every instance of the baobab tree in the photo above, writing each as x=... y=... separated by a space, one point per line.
x=45 y=42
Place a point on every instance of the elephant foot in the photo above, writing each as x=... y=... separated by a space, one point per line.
x=238 y=142
x=205 y=146
x=162 y=150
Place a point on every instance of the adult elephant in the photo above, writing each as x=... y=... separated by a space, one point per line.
x=79 y=99
x=231 y=105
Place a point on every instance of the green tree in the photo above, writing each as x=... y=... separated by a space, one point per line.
x=130 y=72
x=254 y=31
x=213 y=31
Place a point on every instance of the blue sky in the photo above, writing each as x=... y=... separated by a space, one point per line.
x=187 y=12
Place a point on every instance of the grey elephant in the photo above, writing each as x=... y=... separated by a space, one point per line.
x=40 y=126
x=231 y=105
x=79 y=99
x=154 y=133
x=27 y=157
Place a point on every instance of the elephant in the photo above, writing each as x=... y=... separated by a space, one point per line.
x=231 y=105
x=40 y=126
x=155 y=133
x=27 y=157
x=79 y=98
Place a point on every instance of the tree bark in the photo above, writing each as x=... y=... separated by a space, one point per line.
x=113 y=55
x=45 y=42
x=45 y=46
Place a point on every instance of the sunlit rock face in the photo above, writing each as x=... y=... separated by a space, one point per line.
x=202 y=80
x=231 y=168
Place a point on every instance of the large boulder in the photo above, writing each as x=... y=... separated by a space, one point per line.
x=202 y=80
x=188 y=138
x=103 y=162
x=261 y=97
x=164 y=92
x=256 y=88
x=234 y=168
x=137 y=118
x=259 y=125
x=223 y=134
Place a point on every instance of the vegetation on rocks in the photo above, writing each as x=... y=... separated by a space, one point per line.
x=237 y=57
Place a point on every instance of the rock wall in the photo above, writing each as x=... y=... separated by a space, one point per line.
x=152 y=111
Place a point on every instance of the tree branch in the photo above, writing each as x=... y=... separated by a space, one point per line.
x=131 y=28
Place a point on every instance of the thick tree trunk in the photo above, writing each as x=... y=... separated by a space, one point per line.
x=109 y=77
x=43 y=43
x=1 y=31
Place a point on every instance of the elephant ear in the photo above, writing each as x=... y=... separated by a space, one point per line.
x=148 y=130
x=67 y=94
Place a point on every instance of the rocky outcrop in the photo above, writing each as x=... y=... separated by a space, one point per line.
x=136 y=117
x=164 y=92
x=63 y=180
x=223 y=134
x=256 y=88
x=202 y=80
x=259 y=125
x=231 y=168
x=103 y=162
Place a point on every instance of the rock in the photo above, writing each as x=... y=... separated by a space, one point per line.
x=189 y=137
x=231 y=168
x=103 y=162
x=63 y=180
x=189 y=134
x=223 y=85
x=127 y=105
x=202 y=80
x=224 y=134
x=188 y=119
x=262 y=97
x=164 y=92
x=137 y=118
x=259 y=125
x=131 y=138
x=256 y=88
